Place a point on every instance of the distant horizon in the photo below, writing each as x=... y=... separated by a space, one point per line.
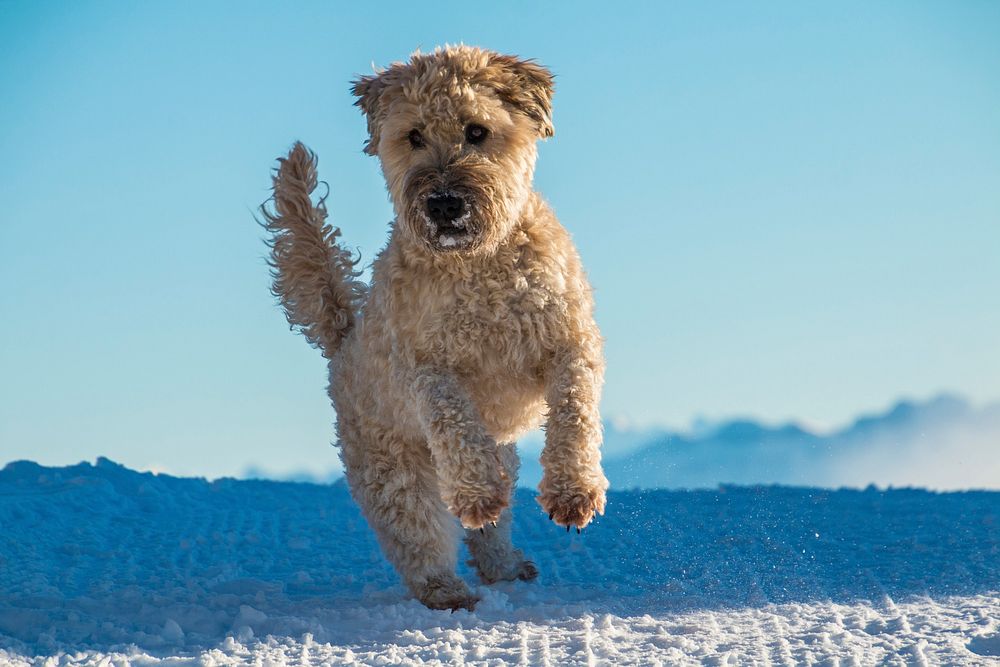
x=943 y=443
x=924 y=447
x=701 y=422
x=531 y=444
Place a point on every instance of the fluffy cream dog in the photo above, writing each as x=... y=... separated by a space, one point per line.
x=477 y=326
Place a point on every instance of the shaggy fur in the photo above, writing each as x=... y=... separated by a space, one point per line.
x=464 y=339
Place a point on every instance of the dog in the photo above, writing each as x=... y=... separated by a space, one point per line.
x=476 y=327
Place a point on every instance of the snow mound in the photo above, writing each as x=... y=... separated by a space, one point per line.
x=99 y=562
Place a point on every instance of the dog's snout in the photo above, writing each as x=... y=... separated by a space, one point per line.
x=444 y=208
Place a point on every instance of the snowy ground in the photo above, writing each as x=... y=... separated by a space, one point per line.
x=101 y=562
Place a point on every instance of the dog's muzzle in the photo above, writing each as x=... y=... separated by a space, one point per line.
x=449 y=216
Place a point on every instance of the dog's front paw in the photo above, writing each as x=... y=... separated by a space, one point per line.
x=573 y=502
x=475 y=506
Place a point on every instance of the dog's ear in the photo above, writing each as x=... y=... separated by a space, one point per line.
x=528 y=87
x=368 y=90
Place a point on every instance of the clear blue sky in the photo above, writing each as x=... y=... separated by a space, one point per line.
x=788 y=210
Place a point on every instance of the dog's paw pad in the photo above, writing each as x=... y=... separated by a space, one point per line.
x=573 y=509
x=476 y=513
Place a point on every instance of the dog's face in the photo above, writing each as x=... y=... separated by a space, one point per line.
x=456 y=134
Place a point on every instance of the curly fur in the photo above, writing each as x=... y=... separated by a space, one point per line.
x=313 y=277
x=460 y=345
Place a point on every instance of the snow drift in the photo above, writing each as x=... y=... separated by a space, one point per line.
x=98 y=561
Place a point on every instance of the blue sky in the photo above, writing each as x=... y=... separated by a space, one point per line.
x=788 y=210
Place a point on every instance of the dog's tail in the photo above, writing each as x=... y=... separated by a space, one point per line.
x=313 y=277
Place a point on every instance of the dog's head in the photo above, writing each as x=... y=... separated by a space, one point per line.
x=456 y=133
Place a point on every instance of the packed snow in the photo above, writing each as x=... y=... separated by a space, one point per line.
x=100 y=564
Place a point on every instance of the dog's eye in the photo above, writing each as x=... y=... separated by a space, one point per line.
x=475 y=134
x=416 y=139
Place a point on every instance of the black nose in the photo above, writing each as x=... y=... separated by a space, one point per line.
x=444 y=208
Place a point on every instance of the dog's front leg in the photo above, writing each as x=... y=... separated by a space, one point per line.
x=573 y=484
x=471 y=477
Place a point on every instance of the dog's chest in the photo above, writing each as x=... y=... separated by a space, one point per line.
x=501 y=323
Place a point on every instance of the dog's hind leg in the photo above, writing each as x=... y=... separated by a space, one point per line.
x=394 y=483
x=493 y=552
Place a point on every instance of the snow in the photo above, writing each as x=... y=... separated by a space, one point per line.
x=100 y=564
